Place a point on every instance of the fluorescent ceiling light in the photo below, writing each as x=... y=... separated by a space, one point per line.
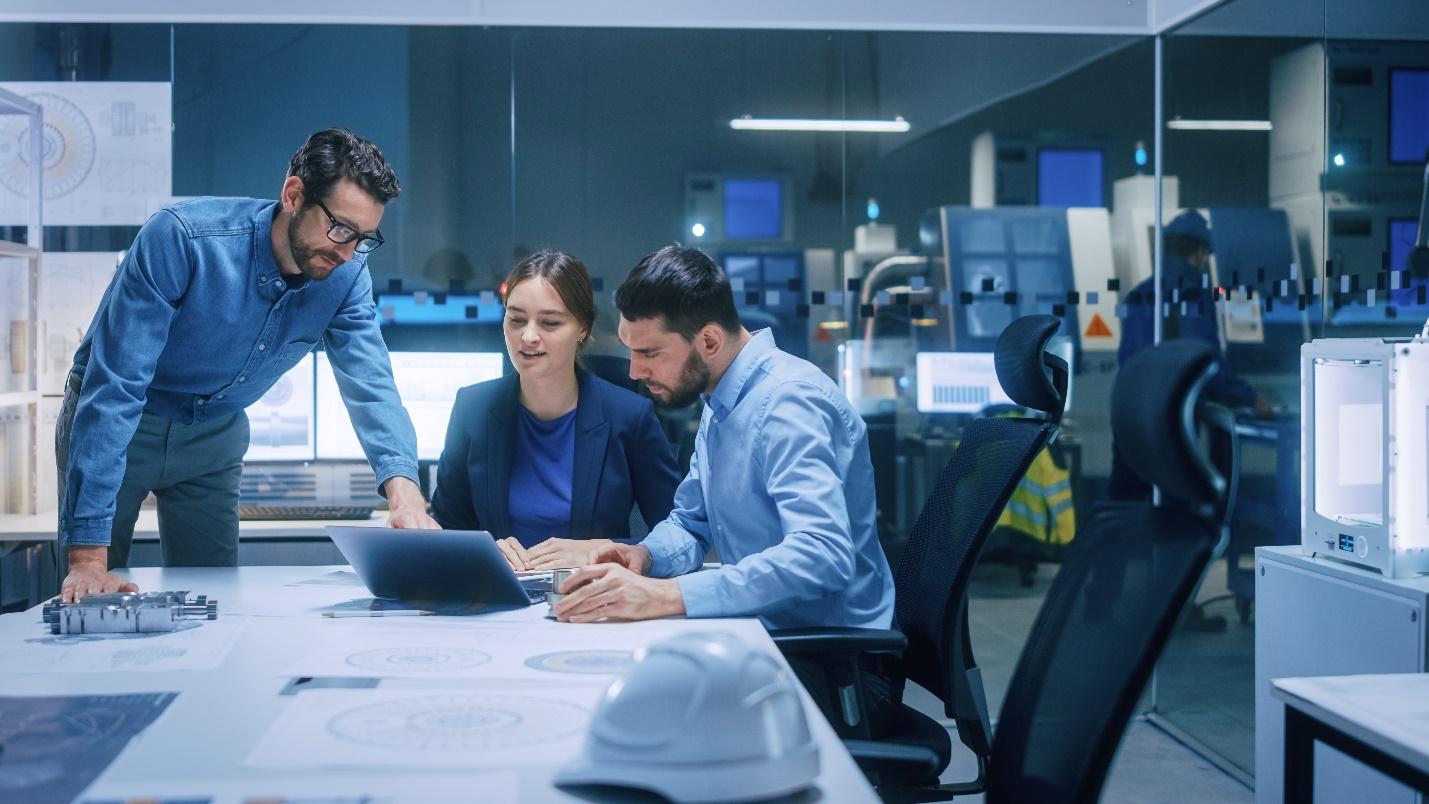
x=1218 y=125
x=895 y=126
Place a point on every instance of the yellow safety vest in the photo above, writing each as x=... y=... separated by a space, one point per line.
x=1041 y=506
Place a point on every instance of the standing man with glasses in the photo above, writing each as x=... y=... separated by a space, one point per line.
x=214 y=301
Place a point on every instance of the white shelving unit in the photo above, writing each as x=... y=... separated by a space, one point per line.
x=20 y=391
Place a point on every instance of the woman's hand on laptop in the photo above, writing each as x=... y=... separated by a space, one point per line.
x=514 y=554
x=556 y=553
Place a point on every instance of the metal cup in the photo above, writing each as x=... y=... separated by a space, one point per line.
x=558 y=577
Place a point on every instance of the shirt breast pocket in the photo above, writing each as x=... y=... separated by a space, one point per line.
x=289 y=355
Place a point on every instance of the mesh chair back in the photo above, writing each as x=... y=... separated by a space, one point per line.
x=1123 y=583
x=937 y=562
x=973 y=488
x=1105 y=621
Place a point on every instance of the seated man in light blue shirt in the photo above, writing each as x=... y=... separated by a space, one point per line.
x=780 y=484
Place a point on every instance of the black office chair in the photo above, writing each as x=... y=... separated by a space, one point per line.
x=1124 y=581
x=932 y=579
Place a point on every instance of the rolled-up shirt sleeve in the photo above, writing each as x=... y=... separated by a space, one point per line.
x=678 y=545
x=125 y=343
x=804 y=476
x=364 y=377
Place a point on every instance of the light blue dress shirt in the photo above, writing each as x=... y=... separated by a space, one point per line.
x=197 y=324
x=781 y=486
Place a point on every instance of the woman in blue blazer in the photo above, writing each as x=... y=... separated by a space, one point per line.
x=551 y=459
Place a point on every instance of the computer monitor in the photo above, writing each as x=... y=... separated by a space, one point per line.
x=1408 y=116
x=1069 y=177
x=280 y=424
x=754 y=209
x=427 y=382
x=958 y=382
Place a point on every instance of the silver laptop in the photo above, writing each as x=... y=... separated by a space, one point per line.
x=446 y=571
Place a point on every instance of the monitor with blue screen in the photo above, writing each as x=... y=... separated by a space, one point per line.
x=958 y=382
x=426 y=381
x=754 y=209
x=1408 y=116
x=1069 y=177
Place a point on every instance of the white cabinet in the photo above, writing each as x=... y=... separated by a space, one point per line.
x=1320 y=617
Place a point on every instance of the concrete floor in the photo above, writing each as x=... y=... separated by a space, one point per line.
x=1204 y=687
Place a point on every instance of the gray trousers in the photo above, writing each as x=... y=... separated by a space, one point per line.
x=193 y=470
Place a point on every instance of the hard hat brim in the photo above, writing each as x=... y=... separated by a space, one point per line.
x=712 y=781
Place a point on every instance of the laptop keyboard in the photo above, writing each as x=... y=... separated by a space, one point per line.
x=251 y=511
x=536 y=589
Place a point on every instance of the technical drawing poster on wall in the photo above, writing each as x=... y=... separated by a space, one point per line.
x=107 y=151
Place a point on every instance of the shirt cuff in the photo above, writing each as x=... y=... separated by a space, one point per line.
x=395 y=468
x=664 y=550
x=86 y=532
x=701 y=592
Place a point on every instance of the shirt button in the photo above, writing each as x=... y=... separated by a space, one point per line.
x=243 y=379
x=262 y=347
x=220 y=396
x=201 y=401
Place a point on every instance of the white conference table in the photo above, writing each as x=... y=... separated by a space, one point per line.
x=42 y=527
x=1380 y=720
x=200 y=746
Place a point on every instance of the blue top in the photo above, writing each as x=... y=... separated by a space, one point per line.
x=620 y=458
x=198 y=324
x=1138 y=328
x=541 y=464
x=781 y=486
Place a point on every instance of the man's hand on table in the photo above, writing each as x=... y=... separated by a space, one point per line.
x=89 y=575
x=406 y=506
x=615 y=588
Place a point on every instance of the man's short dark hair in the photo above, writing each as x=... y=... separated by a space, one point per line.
x=335 y=154
x=681 y=285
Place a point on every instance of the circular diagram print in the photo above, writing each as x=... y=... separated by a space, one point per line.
x=459 y=722
x=585 y=662
x=418 y=659
x=67 y=148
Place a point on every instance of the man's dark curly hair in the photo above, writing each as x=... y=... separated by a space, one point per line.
x=335 y=154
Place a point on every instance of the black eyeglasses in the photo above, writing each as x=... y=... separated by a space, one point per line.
x=342 y=234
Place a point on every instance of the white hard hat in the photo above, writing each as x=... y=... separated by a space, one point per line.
x=700 y=717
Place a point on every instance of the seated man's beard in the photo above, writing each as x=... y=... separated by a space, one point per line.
x=694 y=378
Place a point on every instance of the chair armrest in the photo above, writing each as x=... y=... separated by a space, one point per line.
x=838 y=640
x=906 y=760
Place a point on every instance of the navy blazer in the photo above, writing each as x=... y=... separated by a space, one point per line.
x=622 y=459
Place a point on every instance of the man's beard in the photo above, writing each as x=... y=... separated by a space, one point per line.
x=694 y=378
x=303 y=256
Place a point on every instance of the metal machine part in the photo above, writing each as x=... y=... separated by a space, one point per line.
x=128 y=613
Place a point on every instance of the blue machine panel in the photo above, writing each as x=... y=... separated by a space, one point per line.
x=993 y=252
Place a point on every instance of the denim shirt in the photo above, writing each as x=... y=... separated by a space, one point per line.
x=198 y=324
x=781 y=485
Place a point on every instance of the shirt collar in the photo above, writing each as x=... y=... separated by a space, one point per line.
x=266 y=271
x=731 y=386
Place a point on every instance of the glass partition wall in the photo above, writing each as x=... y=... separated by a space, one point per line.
x=952 y=182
